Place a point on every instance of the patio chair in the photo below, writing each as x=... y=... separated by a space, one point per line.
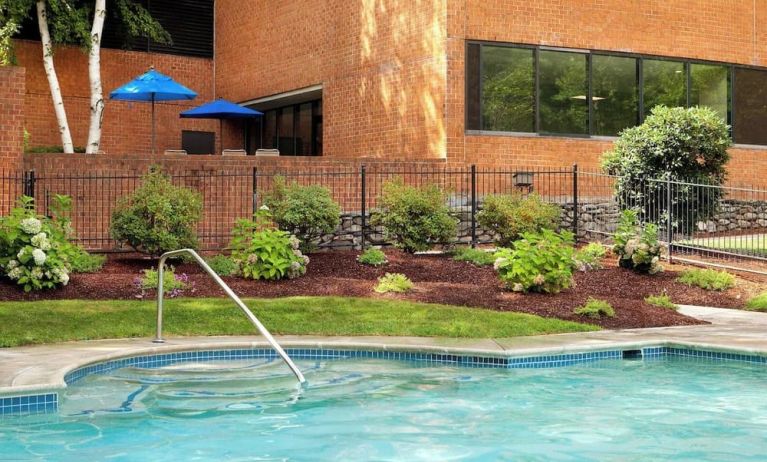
x=267 y=152
x=233 y=152
x=175 y=152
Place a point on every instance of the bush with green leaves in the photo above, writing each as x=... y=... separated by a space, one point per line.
x=477 y=257
x=393 y=282
x=672 y=143
x=84 y=262
x=707 y=279
x=595 y=308
x=637 y=245
x=758 y=303
x=372 y=257
x=415 y=218
x=173 y=285
x=222 y=265
x=662 y=301
x=589 y=258
x=510 y=216
x=308 y=212
x=158 y=216
x=34 y=250
x=261 y=251
x=539 y=262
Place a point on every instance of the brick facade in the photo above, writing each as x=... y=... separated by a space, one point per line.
x=126 y=127
x=12 y=119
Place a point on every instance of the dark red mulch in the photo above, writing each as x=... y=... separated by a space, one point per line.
x=438 y=279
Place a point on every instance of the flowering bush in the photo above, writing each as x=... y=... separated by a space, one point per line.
x=261 y=251
x=34 y=250
x=539 y=262
x=173 y=285
x=637 y=246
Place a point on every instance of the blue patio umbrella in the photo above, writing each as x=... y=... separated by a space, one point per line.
x=152 y=86
x=220 y=109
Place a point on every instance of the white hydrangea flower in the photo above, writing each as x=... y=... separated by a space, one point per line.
x=64 y=278
x=518 y=287
x=11 y=265
x=40 y=241
x=499 y=262
x=39 y=257
x=305 y=259
x=36 y=273
x=539 y=280
x=15 y=273
x=31 y=225
x=20 y=254
x=264 y=207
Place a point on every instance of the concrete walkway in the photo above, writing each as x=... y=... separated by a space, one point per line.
x=43 y=367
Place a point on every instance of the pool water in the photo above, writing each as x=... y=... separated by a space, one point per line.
x=611 y=410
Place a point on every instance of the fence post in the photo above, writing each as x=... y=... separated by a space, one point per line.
x=473 y=205
x=575 y=202
x=29 y=183
x=669 y=226
x=363 y=190
x=255 y=191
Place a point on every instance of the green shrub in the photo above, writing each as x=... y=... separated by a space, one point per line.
x=393 y=282
x=687 y=144
x=84 y=262
x=372 y=257
x=707 y=279
x=510 y=216
x=590 y=257
x=637 y=246
x=173 y=284
x=476 y=257
x=539 y=262
x=758 y=303
x=222 y=265
x=414 y=219
x=52 y=149
x=261 y=251
x=308 y=212
x=595 y=308
x=663 y=301
x=157 y=217
x=34 y=249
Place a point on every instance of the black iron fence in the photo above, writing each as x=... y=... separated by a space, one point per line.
x=694 y=219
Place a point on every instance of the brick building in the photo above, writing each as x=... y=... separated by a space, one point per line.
x=508 y=82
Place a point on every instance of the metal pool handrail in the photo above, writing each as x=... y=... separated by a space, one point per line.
x=231 y=294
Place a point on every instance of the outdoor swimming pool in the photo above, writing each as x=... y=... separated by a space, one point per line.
x=658 y=408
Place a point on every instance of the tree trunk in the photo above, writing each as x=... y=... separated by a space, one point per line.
x=94 y=77
x=53 y=80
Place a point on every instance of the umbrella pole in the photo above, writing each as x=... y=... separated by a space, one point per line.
x=153 y=127
x=221 y=136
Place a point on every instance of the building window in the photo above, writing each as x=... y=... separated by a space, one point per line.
x=750 y=113
x=520 y=88
x=295 y=130
x=508 y=89
x=615 y=94
x=664 y=83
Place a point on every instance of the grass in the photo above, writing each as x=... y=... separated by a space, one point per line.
x=752 y=244
x=758 y=303
x=707 y=279
x=476 y=257
x=23 y=323
x=663 y=301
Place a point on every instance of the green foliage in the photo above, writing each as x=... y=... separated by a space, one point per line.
x=261 y=251
x=589 y=258
x=539 y=262
x=308 y=212
x=676 y=143
x=476 y=257
x=12 y=14
x=595 y=308
x=138 y=23
x=173 y=285
x=222 y=265
x=663 y=301
x=393 y=282
x=415 y=218
x=55 y=149
x=84 y=262
x=372 y=257
x=157 y=217
x=707 y=279
x=34 y=249
x=637 y=246
x=510 y=216
x=758 y=303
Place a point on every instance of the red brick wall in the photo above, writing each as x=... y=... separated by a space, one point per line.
x=381 y=64
x=718 y=30
x=11 y=116
x=126 y=126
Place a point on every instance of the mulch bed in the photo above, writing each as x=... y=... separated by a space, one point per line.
x=438 y=279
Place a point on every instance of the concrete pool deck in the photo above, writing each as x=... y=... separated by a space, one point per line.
x=43 y=367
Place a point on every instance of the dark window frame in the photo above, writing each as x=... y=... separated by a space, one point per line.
x=640 y=57
x=269 y=143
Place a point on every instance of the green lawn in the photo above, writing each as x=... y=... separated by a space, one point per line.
x=753 y=244
x=23 y=323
